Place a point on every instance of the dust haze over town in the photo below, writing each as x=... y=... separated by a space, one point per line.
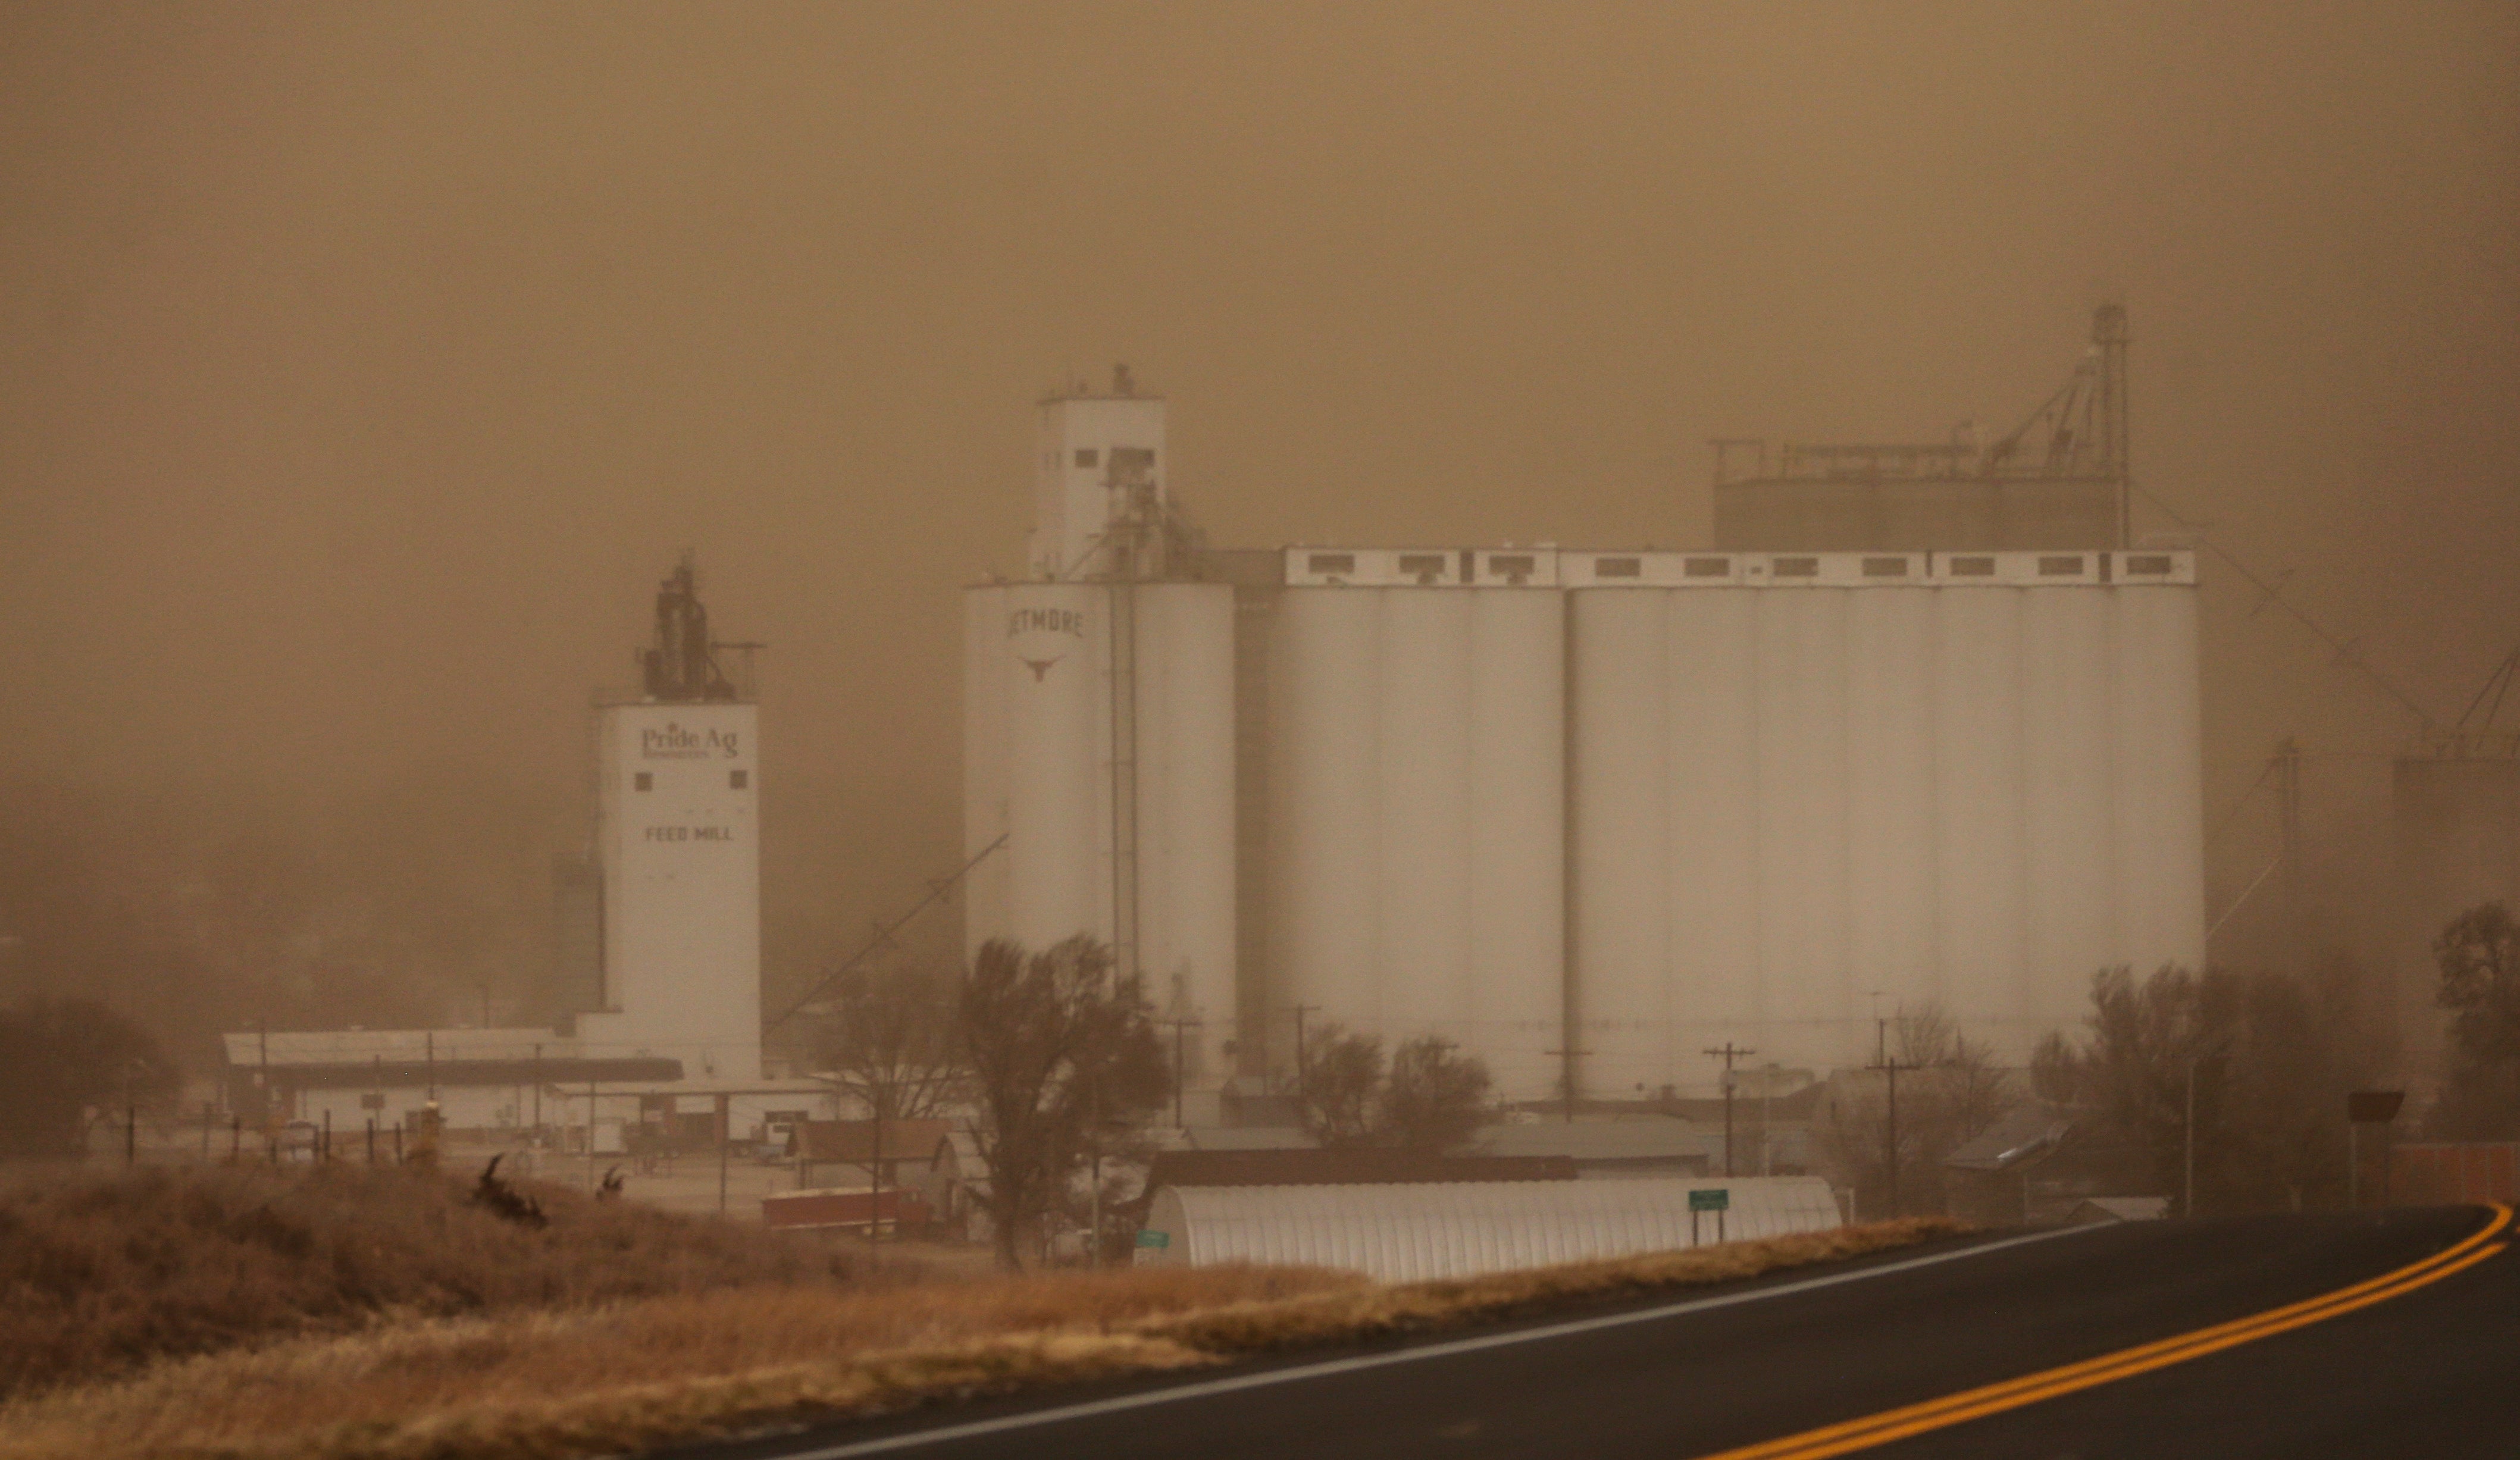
x=362 y=369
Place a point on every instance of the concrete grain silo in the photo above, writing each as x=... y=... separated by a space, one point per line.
x=1583 y=813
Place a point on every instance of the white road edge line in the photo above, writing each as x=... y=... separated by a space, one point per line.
x=1355 y=1362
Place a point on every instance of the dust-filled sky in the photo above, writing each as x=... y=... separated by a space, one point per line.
x=363 y=366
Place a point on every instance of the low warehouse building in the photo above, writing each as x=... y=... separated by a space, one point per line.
x=1411 y=1231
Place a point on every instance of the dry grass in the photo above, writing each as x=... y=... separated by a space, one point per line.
x=103 y=1274
x=544 y=1386
x=1377 y=1311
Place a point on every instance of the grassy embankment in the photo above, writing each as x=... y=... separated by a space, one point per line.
x=349 y=1313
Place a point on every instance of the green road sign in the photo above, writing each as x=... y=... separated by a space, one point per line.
x=1710 y=1201
x=1155 y=1239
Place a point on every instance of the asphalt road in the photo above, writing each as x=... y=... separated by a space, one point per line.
x=2428 y=1371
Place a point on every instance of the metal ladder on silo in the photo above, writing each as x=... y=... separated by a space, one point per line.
x=1124 y=776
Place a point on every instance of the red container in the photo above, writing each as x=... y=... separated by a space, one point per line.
x=842 y=1206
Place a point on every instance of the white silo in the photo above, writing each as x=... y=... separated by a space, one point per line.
x=1970 y=782
x=1417 y=775
x=1980 y=846
x=1325 y=935
x=1805 y=965
x=1098 y=726
x=1516 y=1007
x=1623 y=897
x=2068 y=805
x=1891 y=785
x=2161 y=896
x=1185 y=907
x=1710 y=808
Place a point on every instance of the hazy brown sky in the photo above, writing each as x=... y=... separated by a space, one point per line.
x=361 y=367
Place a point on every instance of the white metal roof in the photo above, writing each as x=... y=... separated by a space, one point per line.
x=1408 y=1233
x=1449 y=567
x=340 y=1045
x=1656 y=1138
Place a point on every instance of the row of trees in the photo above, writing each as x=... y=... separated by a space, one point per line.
x=2241 y=1076
x=2254 y=1067
x=1429 y=1098
x=1058 y=1057
x=2257 y=1067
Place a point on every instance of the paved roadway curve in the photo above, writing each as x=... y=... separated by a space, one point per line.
x=2428 y=1372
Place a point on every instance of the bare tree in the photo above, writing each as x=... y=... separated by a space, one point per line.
x=2267 y=1058
x=890 y=1043
x=1430 y=1098
x=1434 y=1096
x=59 y=1056
x=2479 y=956
x=1950 y=1089
x=1055 y=1043
x=1336 y=1088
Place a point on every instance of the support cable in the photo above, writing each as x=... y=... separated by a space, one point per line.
x=2279 y=860
x=884 y=935
x=2273 y=593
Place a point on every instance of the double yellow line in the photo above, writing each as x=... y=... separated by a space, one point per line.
x=2030 y=1388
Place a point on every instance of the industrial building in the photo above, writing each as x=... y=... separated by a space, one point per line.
x=1583 y=813
x=2057 y=483
x=655 y=1005
x=1419 y=1232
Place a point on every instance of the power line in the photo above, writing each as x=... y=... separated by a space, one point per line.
x=2274 y=594
x=884 y=935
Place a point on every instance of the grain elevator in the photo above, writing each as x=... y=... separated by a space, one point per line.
x=1581 y=813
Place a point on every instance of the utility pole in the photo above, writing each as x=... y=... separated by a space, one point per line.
x=724 y=1136
x=1767 y=1144
x=1181 y=1062
x=1567 y=1079
x=1891 y=1068
x=2287 y=762
x=1729 y=1053
x=2187 y=1135
x=1094 y=1125
x=875 y=1193
x=1301 y=1010
x=2188 y=1142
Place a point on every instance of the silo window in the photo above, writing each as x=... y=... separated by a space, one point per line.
x=2059 y=567
x=1885 y=567
x=2148 y=565
x=1087 y=456
x=1972 y=567
x=1331 y=562
x=737 y=781
x=1708 y=567
x=1797 y=567
x=642 y=781
x=1618 y=567
x=1512 y=567
x=1426 y=567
